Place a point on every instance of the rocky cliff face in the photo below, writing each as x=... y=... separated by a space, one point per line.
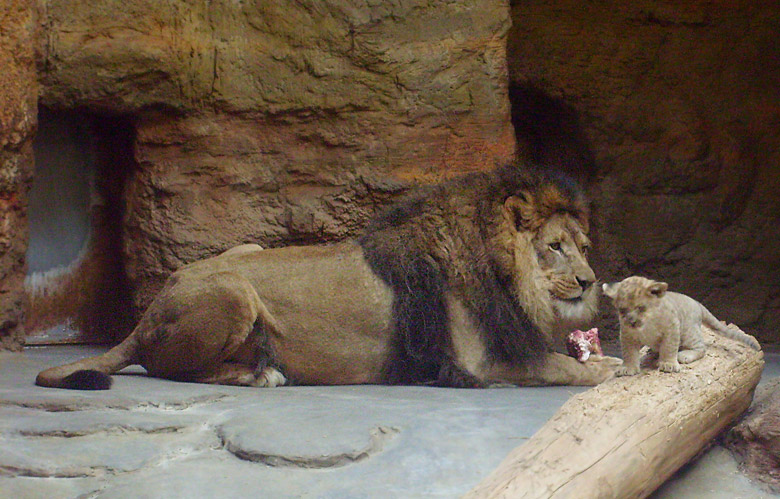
x=678 y=104
x=290 y=123
x=18 y=117
x=279 y=122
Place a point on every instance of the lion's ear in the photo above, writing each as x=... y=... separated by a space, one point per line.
x=610 y=290
x=658 y=289
x=520 y=211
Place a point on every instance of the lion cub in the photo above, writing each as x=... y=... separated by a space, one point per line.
x=669 y=323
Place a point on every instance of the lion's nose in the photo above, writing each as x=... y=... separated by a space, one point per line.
x=584 y=283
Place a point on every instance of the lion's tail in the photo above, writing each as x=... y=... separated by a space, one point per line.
x=93 y=373
x=731 y=331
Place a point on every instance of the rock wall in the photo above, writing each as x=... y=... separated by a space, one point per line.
x=279 y=122
x=291 y=123
x=674 y=107
x=756 y=438
x=18 y=115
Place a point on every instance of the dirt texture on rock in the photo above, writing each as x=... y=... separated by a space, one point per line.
x=18 y=118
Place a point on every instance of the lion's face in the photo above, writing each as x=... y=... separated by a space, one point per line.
x=561 y=249
x=555 y=283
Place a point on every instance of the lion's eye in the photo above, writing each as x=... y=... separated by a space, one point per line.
x=585 y=250
x=555 y=246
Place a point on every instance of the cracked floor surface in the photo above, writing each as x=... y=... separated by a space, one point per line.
x=148 y=437
x=154 y=438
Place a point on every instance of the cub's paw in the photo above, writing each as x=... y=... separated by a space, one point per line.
x=625 y=370
x=669 y=367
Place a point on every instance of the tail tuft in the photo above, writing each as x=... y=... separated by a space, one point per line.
x=87 y=380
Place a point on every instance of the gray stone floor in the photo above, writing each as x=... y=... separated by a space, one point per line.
x=154 y=438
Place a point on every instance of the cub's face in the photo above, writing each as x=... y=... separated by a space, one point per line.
x=561 y=248
x=634 y=298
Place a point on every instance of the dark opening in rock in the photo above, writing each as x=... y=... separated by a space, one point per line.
x=549 y=133
x=75 y=283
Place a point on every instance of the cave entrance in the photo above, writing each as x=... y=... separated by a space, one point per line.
x=548 y=132
x=76 y=289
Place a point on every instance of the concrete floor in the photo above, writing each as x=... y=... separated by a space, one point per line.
x=154 y=438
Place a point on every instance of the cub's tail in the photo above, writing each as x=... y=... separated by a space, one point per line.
x=732 y=332
x=92 y=373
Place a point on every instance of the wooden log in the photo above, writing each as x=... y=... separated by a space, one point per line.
x=627 y=436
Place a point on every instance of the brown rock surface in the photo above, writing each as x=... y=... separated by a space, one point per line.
x=680 y=103
x=278 y=122
x=286 y=123
x=18 y=117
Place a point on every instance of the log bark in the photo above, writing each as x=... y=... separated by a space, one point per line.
x=627 y=436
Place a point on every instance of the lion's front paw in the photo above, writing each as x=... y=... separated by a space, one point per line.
x=625 y=370
x=601 y=370
x=669 y=367
x=611 y=362
x=269 y=378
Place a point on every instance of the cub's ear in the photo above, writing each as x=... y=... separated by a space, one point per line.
x=520 y=212
x=658 y=289
x=610 y=289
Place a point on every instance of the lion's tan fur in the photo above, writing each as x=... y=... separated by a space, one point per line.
x=328 y=314
x=311 y=302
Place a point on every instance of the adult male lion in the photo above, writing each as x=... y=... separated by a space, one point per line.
x=460 y=284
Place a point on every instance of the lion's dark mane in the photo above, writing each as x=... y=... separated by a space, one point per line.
x=439 y=239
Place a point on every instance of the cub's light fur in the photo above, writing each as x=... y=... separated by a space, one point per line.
x=669 y=323
x=460 y=284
